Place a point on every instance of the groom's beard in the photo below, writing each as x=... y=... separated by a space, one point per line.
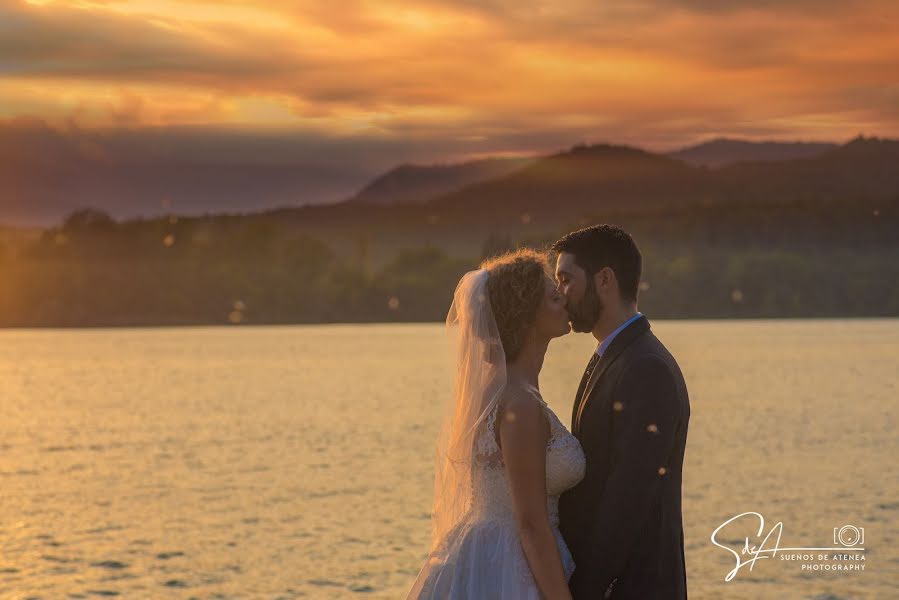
x=585 y=314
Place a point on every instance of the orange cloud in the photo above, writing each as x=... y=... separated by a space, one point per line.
x=657 y=72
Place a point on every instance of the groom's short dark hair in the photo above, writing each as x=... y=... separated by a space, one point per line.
x=606 y=246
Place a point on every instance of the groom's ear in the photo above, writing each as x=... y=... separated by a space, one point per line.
x=605 y=279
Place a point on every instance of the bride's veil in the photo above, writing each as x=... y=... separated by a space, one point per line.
x=480 y=377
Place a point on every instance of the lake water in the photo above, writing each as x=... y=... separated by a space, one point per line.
x=296 y=462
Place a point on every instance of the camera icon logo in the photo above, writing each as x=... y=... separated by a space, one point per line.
x=849 y=535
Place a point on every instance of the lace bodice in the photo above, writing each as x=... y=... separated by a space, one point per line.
x=491 y=504
x=565 y=466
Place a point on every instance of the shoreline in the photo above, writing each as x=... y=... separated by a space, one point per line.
x=380 y=323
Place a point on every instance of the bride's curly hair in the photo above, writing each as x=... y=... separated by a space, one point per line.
x=515 y=287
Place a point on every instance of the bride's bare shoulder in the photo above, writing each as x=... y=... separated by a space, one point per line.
x=524 y=410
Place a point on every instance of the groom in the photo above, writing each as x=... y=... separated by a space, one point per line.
x=622 y=522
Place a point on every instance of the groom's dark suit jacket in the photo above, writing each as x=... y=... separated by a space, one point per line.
x=623 y=522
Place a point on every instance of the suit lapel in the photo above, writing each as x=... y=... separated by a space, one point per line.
x=624 y=339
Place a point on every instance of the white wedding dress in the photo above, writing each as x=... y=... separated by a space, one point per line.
x=488 y=561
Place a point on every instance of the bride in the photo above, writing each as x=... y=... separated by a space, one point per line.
x=503 y=457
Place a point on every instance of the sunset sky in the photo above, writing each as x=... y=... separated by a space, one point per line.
x=374 y=83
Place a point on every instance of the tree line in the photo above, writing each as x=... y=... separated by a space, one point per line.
x=93 y=271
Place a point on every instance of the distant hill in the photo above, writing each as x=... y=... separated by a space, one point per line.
x=417 y=184
x=597 y=177
x=848 y=195
x=624 y=180
x=862 y=170
x=724 y=151
x=45 y=174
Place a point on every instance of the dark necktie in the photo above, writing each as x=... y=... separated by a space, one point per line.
x=588 y=372
x=590 y=366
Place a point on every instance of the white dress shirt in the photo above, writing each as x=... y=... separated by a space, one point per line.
x=601 y=347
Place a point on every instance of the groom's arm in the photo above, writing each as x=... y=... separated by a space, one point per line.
x=642 y=438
